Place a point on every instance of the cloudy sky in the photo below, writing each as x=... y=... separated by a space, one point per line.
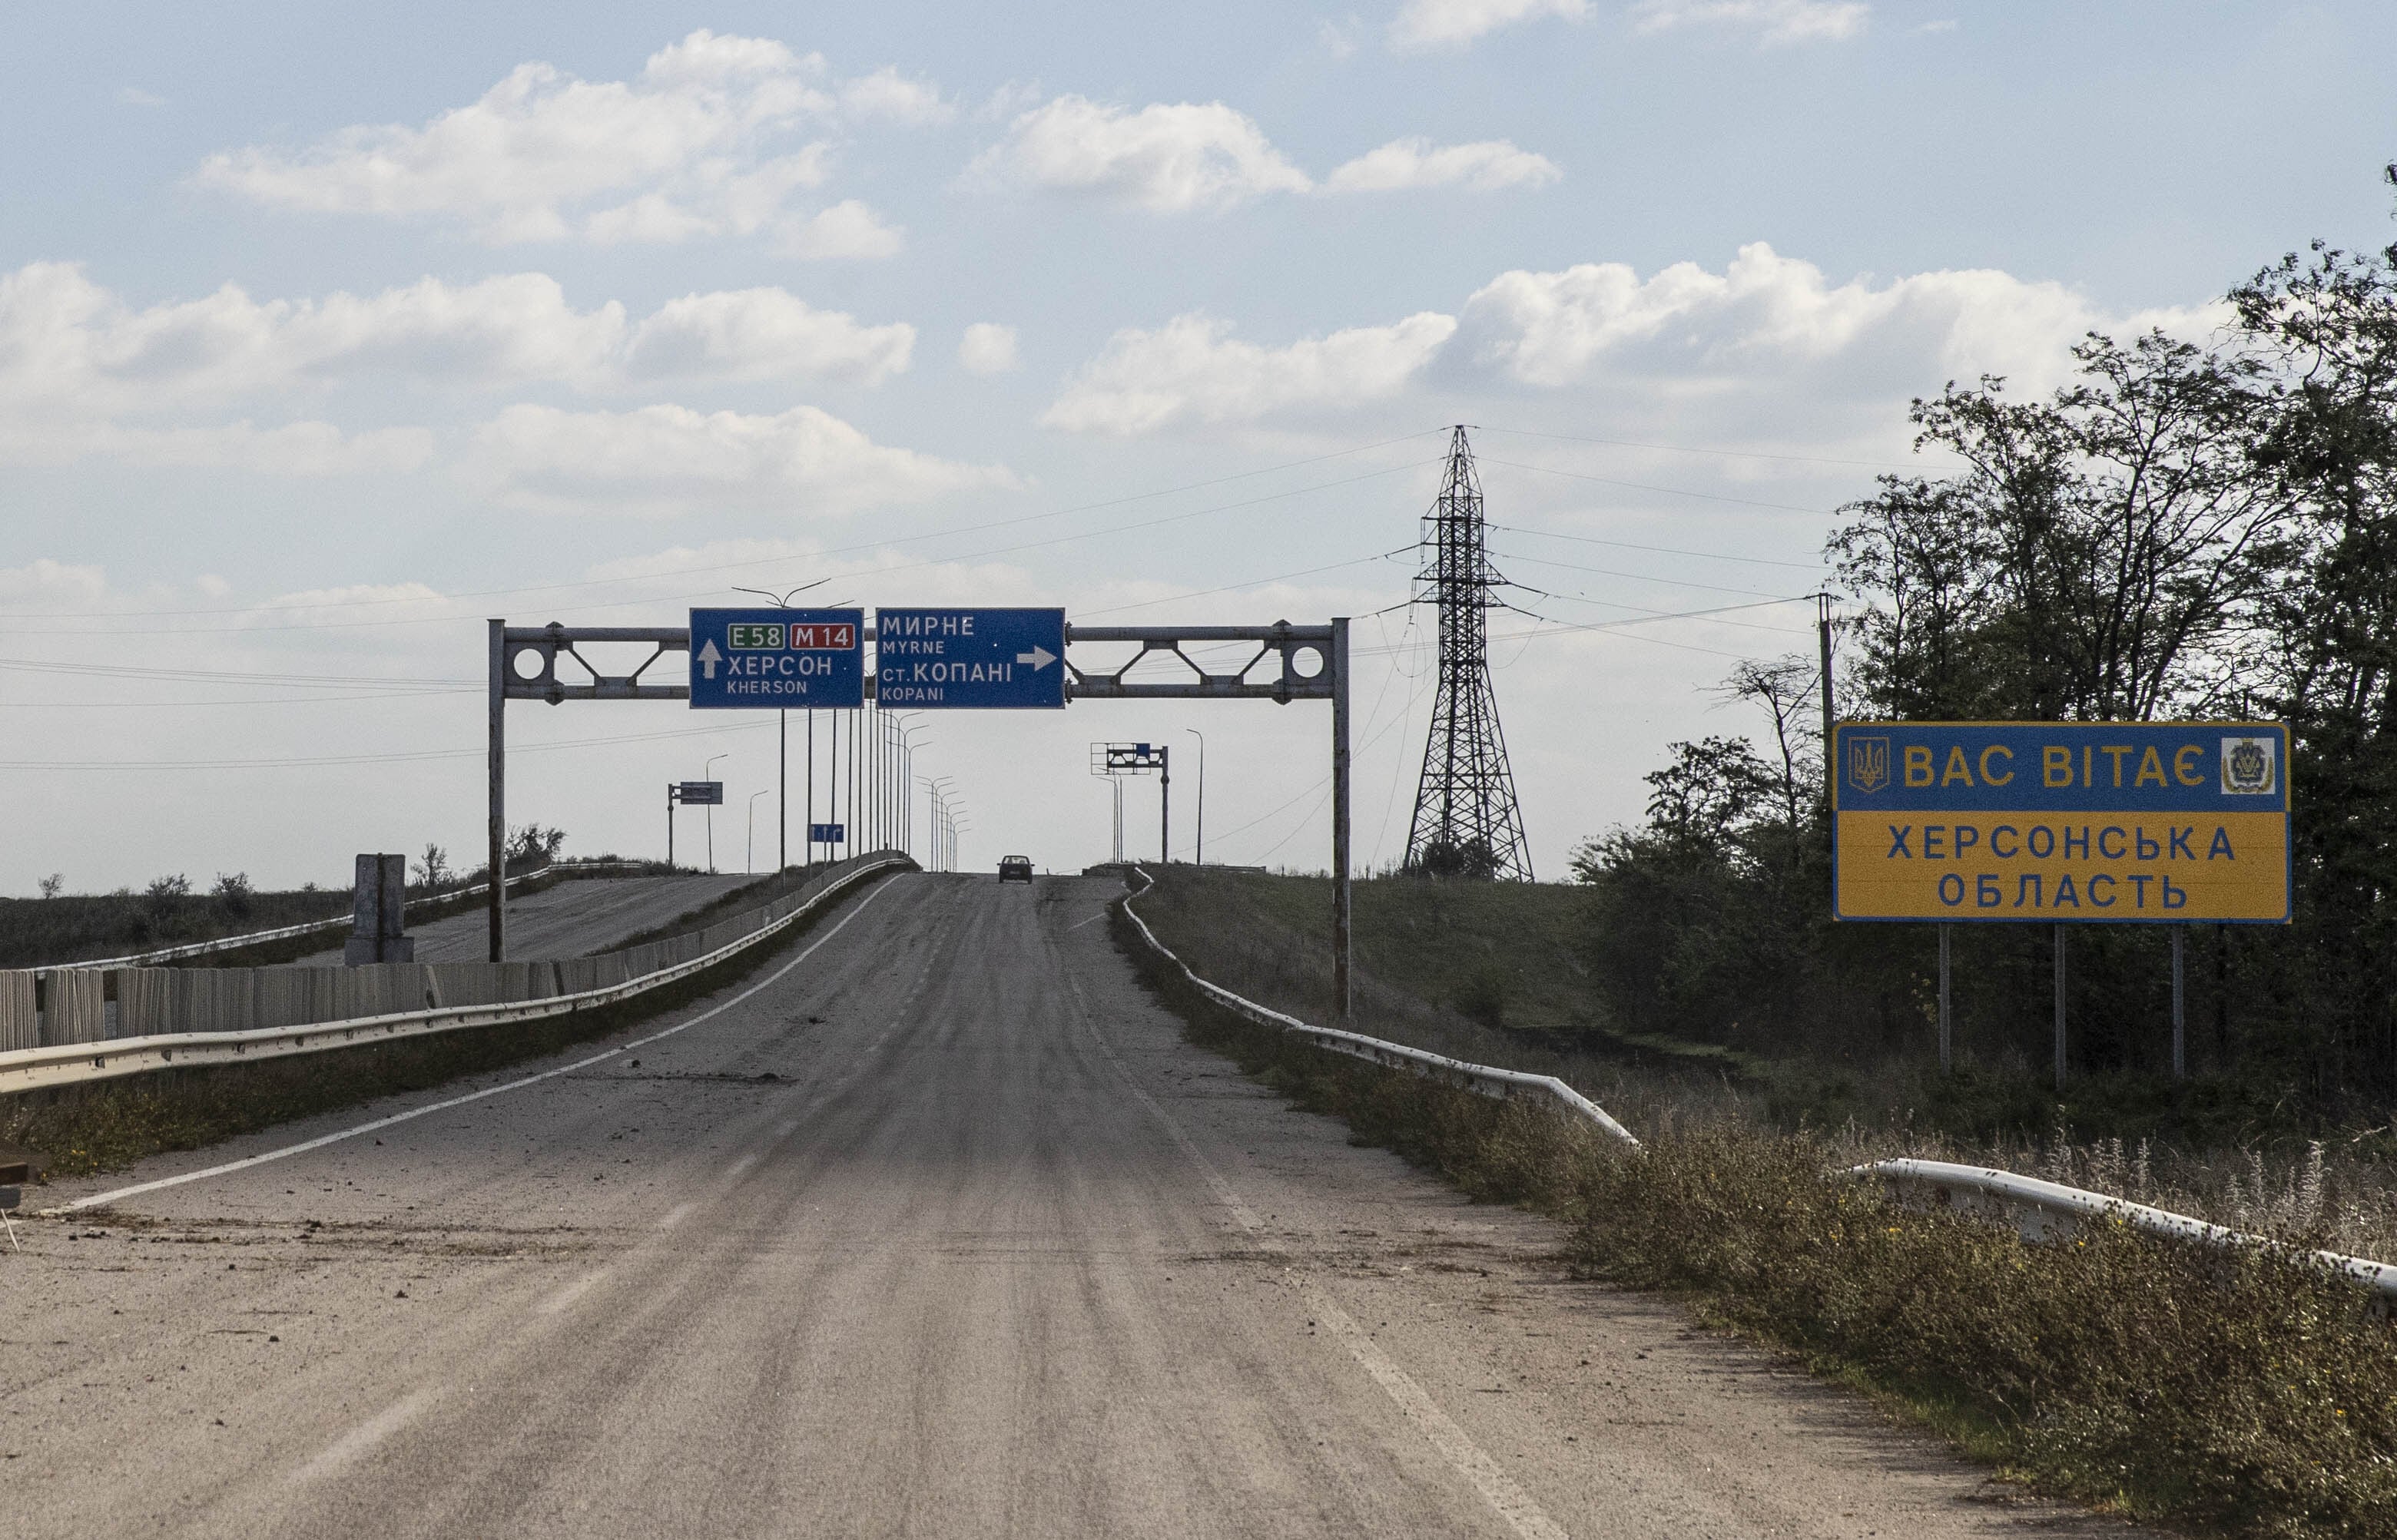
x=324 y=336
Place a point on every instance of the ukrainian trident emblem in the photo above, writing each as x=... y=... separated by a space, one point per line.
x=1869 y=764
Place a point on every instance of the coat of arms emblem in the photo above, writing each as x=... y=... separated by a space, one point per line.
x=2247 y=768
x=1869 y=764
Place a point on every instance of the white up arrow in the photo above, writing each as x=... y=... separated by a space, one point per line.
x=708 y=659
x=1039 y=658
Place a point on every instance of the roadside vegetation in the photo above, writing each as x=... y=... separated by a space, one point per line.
x=62 y=928
x=2240 y=1394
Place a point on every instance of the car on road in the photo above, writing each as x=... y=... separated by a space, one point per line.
x=1015 y=868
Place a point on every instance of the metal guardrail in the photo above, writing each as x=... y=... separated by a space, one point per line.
x=1485 y=1080
x=73 y=1064
x=307 y=927
x=2043 y=1211
x=2039 y=1209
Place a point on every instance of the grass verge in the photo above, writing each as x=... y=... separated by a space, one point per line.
x=2242 y=1394
x=79 y=1130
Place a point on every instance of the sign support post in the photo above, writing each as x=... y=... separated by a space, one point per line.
x=1946 y=1035
x=2180 y=1035
x=2059 y=1007
x=496 y=764
x=1341 y=982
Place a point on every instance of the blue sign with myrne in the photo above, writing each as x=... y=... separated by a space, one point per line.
x=771 y=658
x=969 y=658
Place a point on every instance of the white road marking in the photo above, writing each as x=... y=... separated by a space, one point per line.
x=675 y=1215
x=1079 y=923
x=359 y=1440
x=741 y=1165
x=566 y=1297
x=1522 y=1513
x=96 y=1200
x=786 y=1127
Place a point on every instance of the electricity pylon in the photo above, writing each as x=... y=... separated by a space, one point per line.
x=1466 y=822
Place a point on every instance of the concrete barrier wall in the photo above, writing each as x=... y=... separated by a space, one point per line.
x=44 y=1008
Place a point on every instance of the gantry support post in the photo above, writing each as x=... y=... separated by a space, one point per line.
x=498 y=820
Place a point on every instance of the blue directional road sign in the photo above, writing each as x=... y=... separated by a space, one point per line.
x=969 y=658
x=699 y=794
x=752 y=658
x=828 y=834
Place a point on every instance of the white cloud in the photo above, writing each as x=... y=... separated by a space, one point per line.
x=1410 y=163
x=1451 y=23
x=694 y=146
x=134 y=96
x=1167 y=158
x=987 y=348
x=671 y=460
x=890 y=96
x=69 y=346
x=290 y=449
x=1772 y=22
x=761 y=334
x=1192 y=370
x=1766 y=314
x=47 y=584
x=847 y=230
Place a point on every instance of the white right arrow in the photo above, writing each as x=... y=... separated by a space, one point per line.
x=708 y=659
x=1039 y=658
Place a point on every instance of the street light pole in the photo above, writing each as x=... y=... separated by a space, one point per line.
x=1201 y=857
x=782 y=740
x=750 y=864
x=709 y=775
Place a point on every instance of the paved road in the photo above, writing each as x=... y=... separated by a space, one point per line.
x=940 y=1231
x=572 y=920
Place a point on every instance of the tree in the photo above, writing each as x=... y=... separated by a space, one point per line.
x=54 y=884
x=2103 y=555
x=432 y=868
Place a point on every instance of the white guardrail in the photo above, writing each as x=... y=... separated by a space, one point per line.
x=69 y=1064
x=2042 y=1211
x=164 y=955
x=1484 y=1079
x=2039 y=1209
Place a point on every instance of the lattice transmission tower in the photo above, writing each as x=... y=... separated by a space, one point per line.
x=1466 y=820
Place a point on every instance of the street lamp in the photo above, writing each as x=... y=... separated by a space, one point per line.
x=782 y=745
x=708 y=774
x=1201 y=857
x=906 y=779
x=750 y=862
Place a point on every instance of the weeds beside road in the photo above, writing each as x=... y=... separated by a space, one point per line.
x=2240 y=1392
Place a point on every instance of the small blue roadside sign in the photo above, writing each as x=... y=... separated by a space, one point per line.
x=966 y=659
x=777 y=658
x=828 y=834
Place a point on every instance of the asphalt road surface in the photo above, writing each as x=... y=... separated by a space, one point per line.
x=937 y=1229
x=571 y=920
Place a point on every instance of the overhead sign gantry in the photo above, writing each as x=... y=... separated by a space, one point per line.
x=975 y=659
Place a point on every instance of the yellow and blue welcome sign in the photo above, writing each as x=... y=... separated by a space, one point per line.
x=2102 y=822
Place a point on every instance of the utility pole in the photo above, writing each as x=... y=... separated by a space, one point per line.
x=1466 y=822
x=1164 y=806
x=1831 y=770
x=1199 y=856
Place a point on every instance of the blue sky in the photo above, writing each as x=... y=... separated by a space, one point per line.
x=324 y=335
